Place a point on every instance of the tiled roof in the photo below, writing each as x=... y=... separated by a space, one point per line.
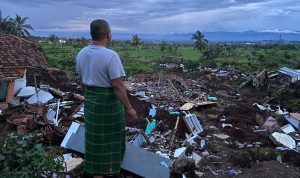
x=18 y=52
x=9 y=74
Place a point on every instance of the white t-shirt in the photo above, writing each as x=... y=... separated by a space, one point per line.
x=97 y=66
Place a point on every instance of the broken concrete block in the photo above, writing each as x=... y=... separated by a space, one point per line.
x=221 y=136
x=262 y=132
x=179 y=152
x=296 y=116
x=283 y=139
x=271 y=124
x=73 y=163
x=287 y=129
x=187 y=106
x=259 y=119
x=196 y=157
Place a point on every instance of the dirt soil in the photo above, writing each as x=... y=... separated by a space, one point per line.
x=235 y=105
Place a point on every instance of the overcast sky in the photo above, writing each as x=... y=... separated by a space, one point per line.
x=158 y=16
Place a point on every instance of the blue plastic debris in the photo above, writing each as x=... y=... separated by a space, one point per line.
x=233 y=171
x=175 y=113
x=150 y=127
x=152 y=112
x=212 y=98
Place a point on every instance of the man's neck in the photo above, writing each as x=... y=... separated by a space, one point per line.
x=100 y=43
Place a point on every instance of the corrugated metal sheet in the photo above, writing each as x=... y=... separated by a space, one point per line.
x=294 y=74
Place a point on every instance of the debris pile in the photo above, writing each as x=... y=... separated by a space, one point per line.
x=175 y=135
x=169 y=91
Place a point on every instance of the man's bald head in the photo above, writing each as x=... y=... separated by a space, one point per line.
x=99 y=30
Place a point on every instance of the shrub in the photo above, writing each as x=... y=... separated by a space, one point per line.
x=26 y=156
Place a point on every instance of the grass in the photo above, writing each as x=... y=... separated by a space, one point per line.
x=145 y=58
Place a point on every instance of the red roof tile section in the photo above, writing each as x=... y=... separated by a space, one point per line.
x=9 y=74
x=18 y=52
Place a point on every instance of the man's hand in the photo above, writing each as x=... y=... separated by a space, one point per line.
x=121 y=93
x=131 y=113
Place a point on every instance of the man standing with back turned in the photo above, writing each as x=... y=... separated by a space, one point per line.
x=101 y=72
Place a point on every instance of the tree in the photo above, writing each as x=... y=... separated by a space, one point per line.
x=20 y=27
x=53 y=38
x=212 y=52
x=5 y=24
x=163 y=46
x=135 y=41
x=200 y=43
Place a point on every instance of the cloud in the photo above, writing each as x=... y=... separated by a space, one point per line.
x=158 y=16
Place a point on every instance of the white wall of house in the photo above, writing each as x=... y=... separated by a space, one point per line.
x=20 y=83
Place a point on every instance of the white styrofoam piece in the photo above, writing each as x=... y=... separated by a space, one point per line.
x=221 y=136
x=73 y=129
x=41 y=97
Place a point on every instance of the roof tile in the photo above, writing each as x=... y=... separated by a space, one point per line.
x=18 y=52
x=9 y=73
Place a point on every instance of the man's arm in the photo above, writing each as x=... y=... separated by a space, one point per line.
x=121 y=93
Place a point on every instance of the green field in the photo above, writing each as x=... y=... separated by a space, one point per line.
x=147 y=57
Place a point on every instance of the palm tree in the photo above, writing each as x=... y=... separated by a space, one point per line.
x=200 y=43
x=20 y=27
x=135 y=41
x=4 y=24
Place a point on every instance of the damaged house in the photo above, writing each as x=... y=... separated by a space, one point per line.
x=16 y=56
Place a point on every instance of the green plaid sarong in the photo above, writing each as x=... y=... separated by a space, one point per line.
x=104 y=131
